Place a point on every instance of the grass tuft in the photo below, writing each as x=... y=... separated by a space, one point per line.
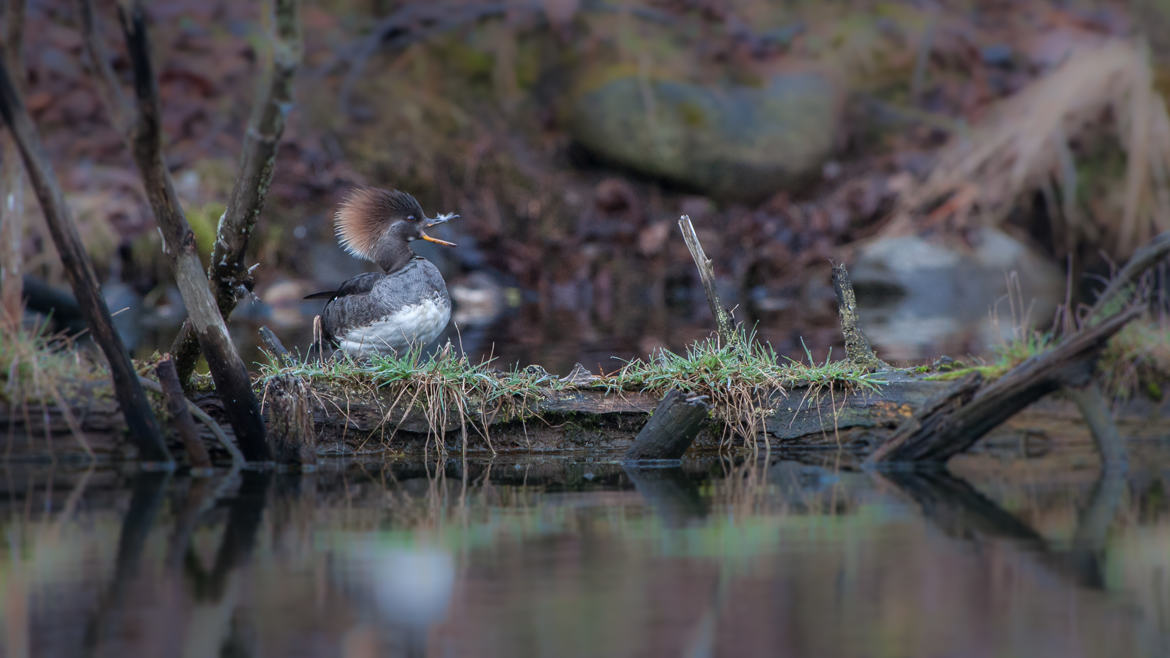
x=740 y=378
x=40 y=369
x=447 y=388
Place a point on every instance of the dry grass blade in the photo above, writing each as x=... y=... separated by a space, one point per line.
x=35 y=372
x=1024 y=144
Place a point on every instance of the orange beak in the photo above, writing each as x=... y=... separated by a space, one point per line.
x=442 y=218
x=437 y=241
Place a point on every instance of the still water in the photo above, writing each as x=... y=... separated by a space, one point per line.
x=559 y=557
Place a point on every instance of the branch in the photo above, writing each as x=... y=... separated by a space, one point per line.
x=203 y=417
x=177 y=407
x=139 y=418
x=113 y=98
x=723 y=320
x=12 y=18
x=942 y=431
x=11 y=181
x=1120 y=290
x=143 y=133
x=228 y=274
x=857 y=348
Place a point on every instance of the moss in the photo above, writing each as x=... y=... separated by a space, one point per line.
x=1137 y=360
x=692 y=114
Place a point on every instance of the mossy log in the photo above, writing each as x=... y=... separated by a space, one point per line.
x=564 y=420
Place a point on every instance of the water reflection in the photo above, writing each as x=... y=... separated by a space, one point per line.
x=560 y=558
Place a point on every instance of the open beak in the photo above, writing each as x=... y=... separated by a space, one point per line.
x=435 y=221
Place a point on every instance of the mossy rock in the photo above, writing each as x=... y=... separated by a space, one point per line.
x=729 y=141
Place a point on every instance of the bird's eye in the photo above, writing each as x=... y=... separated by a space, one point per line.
x=410 y=217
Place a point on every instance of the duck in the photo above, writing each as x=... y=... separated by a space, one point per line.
x=405 y=305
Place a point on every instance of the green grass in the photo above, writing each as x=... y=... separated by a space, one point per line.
x=739 y=378
x=1025 y=345
x=447 y=388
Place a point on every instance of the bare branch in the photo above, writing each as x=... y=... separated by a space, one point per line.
x=139 y=417
x=1120 y=290
x=11 y=180
x=117 y=104
x=12 y=17
x=180 y=416
x=143 y=133
x=723 y=320
x=228 y=273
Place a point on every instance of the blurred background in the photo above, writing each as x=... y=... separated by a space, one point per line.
x=948 y=152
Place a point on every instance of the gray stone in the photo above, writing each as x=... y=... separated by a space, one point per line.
x=915 y=295
x=736 y=142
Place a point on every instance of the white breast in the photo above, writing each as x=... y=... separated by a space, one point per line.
x=414 y=325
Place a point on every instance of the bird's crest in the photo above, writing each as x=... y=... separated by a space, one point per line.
x=366 y=212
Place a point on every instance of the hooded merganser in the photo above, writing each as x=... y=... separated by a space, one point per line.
x=406 y=304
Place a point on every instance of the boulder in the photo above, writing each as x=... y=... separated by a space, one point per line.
x=915 y=296
x=730 y=141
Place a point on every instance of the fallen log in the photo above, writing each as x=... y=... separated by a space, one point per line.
x=942 y=430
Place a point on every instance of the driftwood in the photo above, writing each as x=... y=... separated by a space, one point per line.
x=951 y=425
x=139 y=124
x=723 y=321
x=669 y=432
x=229 y=275
x=139 y=417
x=945 y=429
x=181 y=419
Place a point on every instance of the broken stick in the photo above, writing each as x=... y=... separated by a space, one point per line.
x=723 y=321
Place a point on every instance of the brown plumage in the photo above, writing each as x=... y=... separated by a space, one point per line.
x=365 y=214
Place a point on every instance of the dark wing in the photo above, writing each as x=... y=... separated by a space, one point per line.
x=327 y=294
x=359 y=284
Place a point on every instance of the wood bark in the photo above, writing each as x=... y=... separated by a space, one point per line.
x=857 y=348
x=181 y=419
x=723 y=321
x=943 y=432
x=672 y=428
x=141 y=127
x=140 y=420
x=230 y=277
x=11 y=179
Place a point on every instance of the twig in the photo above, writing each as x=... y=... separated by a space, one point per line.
x=723 y=320
x=857 y=348
x=273 y=344
x=1120 y=288
x=176 y=402
x=139 y=418
x=144 y=135
x=229 y=276
x=203 y=417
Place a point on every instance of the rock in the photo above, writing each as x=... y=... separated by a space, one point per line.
x=915 y=295
x=734 y=142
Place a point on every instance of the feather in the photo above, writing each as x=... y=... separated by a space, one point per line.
x=365 y=214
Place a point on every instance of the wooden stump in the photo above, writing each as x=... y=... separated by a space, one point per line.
x=672 y=428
